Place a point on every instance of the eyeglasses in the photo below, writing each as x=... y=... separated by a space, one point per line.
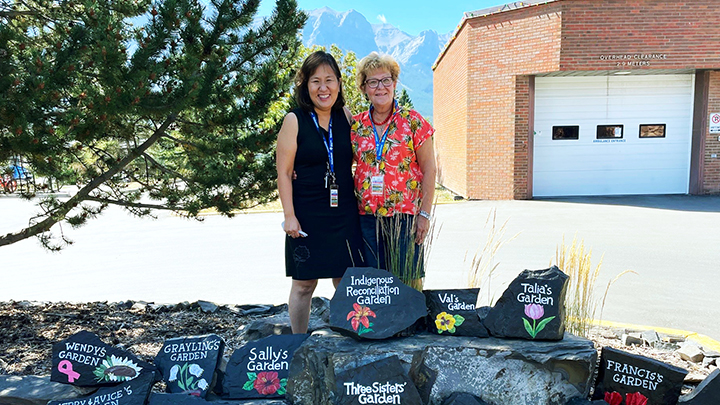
x=374 y=83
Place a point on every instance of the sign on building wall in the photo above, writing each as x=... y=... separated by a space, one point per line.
x=715 y=123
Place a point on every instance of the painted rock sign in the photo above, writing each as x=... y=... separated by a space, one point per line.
x=260 y=369
x=86 y=361
x=629 y=379
x=532 y=307
x=188 y=363
x=373 y=304
x=381 y=382
x=453 y=312
x=132 y=392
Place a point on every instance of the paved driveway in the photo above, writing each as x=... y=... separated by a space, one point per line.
x=672 y=242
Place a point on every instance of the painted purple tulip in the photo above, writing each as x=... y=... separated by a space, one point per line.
x=534 y=311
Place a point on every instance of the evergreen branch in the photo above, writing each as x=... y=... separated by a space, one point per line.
x=165 y=169
x=84 y=193
x=128 y=204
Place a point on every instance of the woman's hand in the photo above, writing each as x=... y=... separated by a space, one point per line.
x=292 y=227
x=422 y=225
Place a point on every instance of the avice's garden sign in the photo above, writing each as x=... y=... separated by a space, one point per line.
x=395 y=346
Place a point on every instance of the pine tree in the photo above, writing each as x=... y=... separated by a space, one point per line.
x=405 y=101
x=144 y=104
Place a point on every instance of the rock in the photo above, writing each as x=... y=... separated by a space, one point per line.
x=691 y=352
x=215 y=400
x=260 y=369
x=381 y=382
x=188 y=364
x=583 y=401
x=453 y=312
x=132 y=392
x=35 y=390
x=707 y=393
x=185 y=399
x=374 y=304
x=321 y=308
x=501 y=372
x=621 y=374
x=205 y=306
x=532 y=307
x=139 y=307
x=463 y=398
x=161 y=307
x=86 y=361
x=629 y=339
x=650 y=338
x=276 y=325
x=707 y=361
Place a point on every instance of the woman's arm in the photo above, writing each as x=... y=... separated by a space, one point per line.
x=285 y=160
x=426 y=159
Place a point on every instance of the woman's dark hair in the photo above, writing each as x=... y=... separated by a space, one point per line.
x=311 y=63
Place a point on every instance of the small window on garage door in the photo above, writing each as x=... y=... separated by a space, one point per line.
x=652 y=130
x=609 y=131
x=566 y=132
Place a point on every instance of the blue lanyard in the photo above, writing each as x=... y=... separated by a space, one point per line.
x=329 y=147
x=380 y=143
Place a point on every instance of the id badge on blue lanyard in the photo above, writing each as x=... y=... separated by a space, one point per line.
x=377 y=182
x=330 y=173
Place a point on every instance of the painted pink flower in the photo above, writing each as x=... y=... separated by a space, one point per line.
x=613 y=398
x=360 y=316
x=534 y=311
x=267 y=383
x=635 y=398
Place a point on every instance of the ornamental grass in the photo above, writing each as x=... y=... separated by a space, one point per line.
x=580 y=303
x=483 y=263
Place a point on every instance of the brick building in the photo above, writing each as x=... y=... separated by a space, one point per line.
x=580 y=97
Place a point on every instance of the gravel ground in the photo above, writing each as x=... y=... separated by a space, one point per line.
x=29 y=329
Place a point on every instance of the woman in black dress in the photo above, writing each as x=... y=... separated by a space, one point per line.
x=321 y=219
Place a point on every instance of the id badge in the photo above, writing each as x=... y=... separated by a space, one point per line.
x=376 y=185
x=334 y=196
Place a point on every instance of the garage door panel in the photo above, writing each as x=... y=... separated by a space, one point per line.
x=631 y=165
x=618 y=182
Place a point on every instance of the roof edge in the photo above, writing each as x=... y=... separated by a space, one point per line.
x=468 y=15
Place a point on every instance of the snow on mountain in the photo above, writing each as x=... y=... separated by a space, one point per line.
x=351 y=31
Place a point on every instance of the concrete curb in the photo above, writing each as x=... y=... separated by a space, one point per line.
x=706 y=342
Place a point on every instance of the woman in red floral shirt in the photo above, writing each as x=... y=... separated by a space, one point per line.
x=395 y=173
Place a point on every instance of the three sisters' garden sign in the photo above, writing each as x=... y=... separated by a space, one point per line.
x=373 y=304
x=380 y=382
x=532 y=307
x=188 y=363
x=86 y=361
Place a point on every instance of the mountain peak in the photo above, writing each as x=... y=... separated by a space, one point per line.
x=351 y=31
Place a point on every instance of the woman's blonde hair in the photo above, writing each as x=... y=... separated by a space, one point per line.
x=375 y=61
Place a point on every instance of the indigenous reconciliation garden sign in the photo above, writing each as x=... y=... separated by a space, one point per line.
x=374 y=304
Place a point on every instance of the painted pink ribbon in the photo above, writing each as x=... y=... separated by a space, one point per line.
x=65 y=367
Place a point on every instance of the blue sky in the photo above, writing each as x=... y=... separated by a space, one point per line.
x=411 y=16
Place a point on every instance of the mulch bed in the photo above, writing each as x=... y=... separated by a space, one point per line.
x=29 y=329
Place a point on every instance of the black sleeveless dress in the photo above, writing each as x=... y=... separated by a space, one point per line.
x=333 y=243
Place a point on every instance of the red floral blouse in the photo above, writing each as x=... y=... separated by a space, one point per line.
x=398 y=165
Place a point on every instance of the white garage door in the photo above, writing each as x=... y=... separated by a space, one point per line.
x=613 y=135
